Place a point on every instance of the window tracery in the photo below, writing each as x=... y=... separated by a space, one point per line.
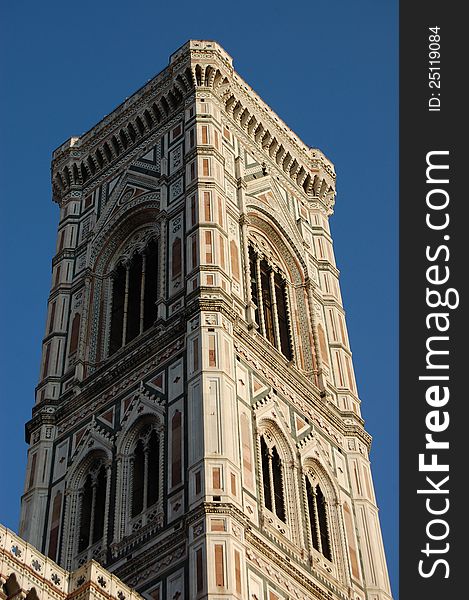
x=93 y=507
x=272 y=479
x=140 y=477
x=270 y=298
x=134 y=293
x=318 y=516
x=145 y=472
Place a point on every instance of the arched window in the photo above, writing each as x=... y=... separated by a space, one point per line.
x=145 y=472
x=269 y=295
x=134 y=295
x=318 y=518
x=93 y=505
x=272 y=480
x=140 y=475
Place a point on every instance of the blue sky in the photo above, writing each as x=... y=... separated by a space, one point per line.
x=329 y=69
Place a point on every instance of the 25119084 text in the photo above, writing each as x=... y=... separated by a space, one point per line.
x=434 y=69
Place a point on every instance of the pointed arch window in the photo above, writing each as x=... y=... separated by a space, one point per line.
x=272 y=480
x=318 y=518
x=134 y=295
x=145 y=473
x=140 y=476
x=93 y=508
x=269 y=295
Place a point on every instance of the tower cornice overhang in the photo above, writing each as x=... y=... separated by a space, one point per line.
x=198 y=66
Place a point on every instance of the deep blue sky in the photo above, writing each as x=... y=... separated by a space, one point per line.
x=329 y=69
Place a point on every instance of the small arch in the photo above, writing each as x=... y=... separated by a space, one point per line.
x=123 y=138
x=11 y=587
x=287 y=161
x=148 y=118
x=229 y=102
x=156 y=112
x=107 y=151
x=245 y=115
x=91 y=165
x=60 y=181
x=140 y=125
x=76 y=175
x=99 y=157
x=208 y=74
x=198 y=75
x=294 y=167
x=266 y=139
x=316 y=185
x=84 y=172
x=189 y=77
x=172 y=100
x=182 y=83
x=252 y=124
x=273 y=148
x=217 y=79
x=165 y=105
x=67 y=176
x=237 y=110
x=323 y=188
x=131 y=131
x=115 y=145
x=259 y=132
x=32 y=595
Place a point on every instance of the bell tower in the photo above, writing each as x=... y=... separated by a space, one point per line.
x=197 y=426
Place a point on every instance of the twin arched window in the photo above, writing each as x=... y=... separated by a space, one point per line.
x=269 y=295
x=273 y=493
x=141 y=487
x=93 y=506
x=272 y=480
x=145 y=472
x=134 y=295
x=318 y=518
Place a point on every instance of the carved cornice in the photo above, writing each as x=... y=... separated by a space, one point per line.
x=306 y=582
x=196 y=66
